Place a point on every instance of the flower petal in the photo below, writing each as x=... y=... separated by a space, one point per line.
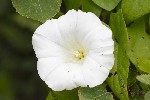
x=62 y=77
x=101 y=36
x=75 y=25
x=93 y=73
x=45 y=48
x=50 y=30
x=86 y=22
x=67 y=24
x=48 y=65
x=104 y=60
x=56 y=41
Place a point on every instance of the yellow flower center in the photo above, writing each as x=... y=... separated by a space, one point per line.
x=79 y=54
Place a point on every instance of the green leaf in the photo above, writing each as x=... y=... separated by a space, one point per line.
x=133 y=9
x=145 y=87
x=63 y=95
x=3 y=6
x=87 y=6
x=51 y=96
x=72 y=4
x=149 y=22
x=25 y=22
x=147 y=96
x=135 y=93
x=58 y=15
x=6 y=92
x=132 y=75
x=144 y=64
x=15 y=37
x=90 y=6
x=139 y=42
x=144 y=79
x=107 y=4
x=119 y=74
x=40 y=10
x=96 y=93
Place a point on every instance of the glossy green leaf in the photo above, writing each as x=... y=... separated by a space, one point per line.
x=119 y=74
x=144 y=79
x=87 y=6
x=139 y=42
x=63 y=95
x=90 y=6
x=134 y=9
x=144 y=64
x=72 y=4
x=96 y=93
x=25 y=22
x=107 y=4
x=40 y=10
x=147 y=96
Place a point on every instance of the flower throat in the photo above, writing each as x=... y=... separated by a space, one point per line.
x=79 y=54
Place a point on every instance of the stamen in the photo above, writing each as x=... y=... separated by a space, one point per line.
x=79 y=54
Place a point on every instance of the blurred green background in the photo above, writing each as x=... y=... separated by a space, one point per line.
x=19 y=79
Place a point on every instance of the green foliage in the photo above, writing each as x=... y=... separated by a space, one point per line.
x=18 y=74
x=147 y=96
x=144 y=79
x=40 y=10
x=118 y=80
x=87 y=6
x=144 y=64
x=25 y=22
x=131 y=33
x=14 y=37
x=145 y=87
x=139 y=42
x=3 y=6
x=132 y=75
x=149 y=21
x=96 y=93
x=107 y=4
x=136 y=93
x=5 y=87
x=134 y=9
x=63 y=95
x=72 y=4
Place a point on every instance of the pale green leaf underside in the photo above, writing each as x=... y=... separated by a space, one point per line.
x=119 y=74
x=96 y=93
x=107 y=4
x=139 y=43
x=40 y=10
x=144 y=79
x=133 y=9
x=147 y=96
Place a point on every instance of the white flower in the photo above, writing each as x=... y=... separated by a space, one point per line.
x=73 y=50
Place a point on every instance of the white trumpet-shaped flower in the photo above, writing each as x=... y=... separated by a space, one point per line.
x=73 y=50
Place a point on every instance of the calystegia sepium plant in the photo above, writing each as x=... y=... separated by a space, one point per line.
x=91 y=49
